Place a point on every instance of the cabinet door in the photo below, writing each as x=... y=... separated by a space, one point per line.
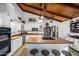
x=15 y=44
x=76 y=44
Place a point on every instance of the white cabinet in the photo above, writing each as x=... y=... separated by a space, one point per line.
x=76 y=44
x=15 y=44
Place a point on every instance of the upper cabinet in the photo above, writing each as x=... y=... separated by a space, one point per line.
x=74 y=26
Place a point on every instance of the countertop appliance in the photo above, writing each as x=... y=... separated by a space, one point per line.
x=5 y=43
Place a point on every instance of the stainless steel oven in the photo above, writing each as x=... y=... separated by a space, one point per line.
x=5 y=43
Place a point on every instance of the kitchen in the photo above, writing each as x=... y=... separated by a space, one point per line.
x=34 y=28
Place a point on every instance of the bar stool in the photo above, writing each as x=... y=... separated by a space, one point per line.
x=66 y=53
x=56 y=52
x=33 y=51
x=45 y=52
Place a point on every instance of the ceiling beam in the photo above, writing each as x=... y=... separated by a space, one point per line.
x=38 y=14
x=49 y=11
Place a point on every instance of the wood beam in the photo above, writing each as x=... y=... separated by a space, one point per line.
x=48 y=11
x=73 y=5
x=48 y=15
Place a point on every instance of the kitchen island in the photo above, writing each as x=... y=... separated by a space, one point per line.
x=40 y=44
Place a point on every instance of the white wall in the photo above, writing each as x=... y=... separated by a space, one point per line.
x=10 y=11
x=37 y=24
x=64 y=29
x=14 y=13
x=15 y=28
x=3 y=15
x=28 y=24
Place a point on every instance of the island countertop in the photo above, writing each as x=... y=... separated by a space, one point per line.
x=39 y=40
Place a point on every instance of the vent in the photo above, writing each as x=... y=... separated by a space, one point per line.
x=32 y=19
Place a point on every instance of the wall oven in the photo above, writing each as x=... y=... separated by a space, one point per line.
x=5 y=43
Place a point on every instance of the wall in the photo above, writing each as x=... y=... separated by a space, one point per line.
x=14 y=13
x=37 y=24
x=64 y=29
x=8 y=12
x=4 y=16
x=28 y=24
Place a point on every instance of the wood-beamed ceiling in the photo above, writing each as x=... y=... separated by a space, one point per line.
x=59 y=12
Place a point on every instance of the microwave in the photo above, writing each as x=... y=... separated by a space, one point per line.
x=5 y=41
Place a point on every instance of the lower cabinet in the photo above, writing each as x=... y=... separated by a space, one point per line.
x=15 y=44
x=76 y=44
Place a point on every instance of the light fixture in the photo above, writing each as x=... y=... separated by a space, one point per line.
x=41 y=17
x=40 y=21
